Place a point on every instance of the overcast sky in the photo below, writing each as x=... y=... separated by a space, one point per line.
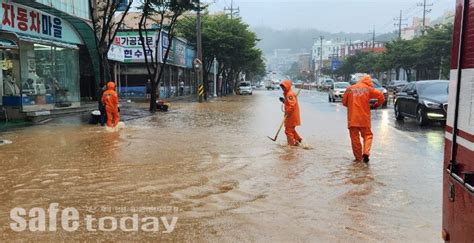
x=330 y=15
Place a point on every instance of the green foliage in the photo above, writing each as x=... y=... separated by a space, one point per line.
x=295 y=73
x=169 y=10
x=230 y=41
x=425 y=54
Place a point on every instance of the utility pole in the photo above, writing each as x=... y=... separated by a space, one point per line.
x=232 y=10
x=215 y=76
x=425 y=11
x=199 y=53
x=373 y=38
x=400 y=24
x=321 y=38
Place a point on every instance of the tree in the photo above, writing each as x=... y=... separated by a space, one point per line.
x=402 y=54
x=361 y=62
x=293 y=71
x=169 y=10
x=435 y=52
x=428 y=55
x=297 y=74
x=348 y=67
x=105 y=28
x=255 y=68
x=231 y=42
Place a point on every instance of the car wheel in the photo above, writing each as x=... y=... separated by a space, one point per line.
x=398 y=115
x=421 y=118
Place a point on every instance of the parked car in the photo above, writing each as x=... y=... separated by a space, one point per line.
x=326 y=84
x=245 y=88
x=396 y=85
x=378 y=86
x=423 y=100
x=336 y=91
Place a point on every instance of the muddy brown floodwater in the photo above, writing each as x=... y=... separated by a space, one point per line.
x=211 y=166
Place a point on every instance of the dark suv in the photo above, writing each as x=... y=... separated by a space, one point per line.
x=423 y=100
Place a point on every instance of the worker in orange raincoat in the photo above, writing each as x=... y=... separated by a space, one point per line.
x=292 y=113
x=357 y=100
x=111 y=101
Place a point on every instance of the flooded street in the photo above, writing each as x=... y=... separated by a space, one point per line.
x=212 y=166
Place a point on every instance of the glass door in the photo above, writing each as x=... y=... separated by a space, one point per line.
x=9 y=77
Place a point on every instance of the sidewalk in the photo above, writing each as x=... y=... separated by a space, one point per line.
x=172 y=99
x=130 y=109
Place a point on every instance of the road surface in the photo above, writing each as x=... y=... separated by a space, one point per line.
x=212 y=166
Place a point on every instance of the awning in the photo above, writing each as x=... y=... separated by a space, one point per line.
x=7 y=43
x=27 y=38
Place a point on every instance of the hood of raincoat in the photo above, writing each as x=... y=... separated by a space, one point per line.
x=287 y=84
x=111 y=86
x=367 y=80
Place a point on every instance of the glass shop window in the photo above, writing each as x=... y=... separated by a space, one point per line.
x=9 y=77
x=50 y=77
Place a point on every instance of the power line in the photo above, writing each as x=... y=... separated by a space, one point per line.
x=372 y=32
x=232 y=10
x=400 y=23
x=389 y=24
x=426 y=10
x=408 y=13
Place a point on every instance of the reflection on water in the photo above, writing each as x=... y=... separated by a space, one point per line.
x=435 y=140
x=383 y=119
x=228 y=181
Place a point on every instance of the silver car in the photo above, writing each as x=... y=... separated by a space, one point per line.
x=337 y=90
x=245 y=88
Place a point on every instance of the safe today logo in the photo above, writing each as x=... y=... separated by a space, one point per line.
x=42 y=220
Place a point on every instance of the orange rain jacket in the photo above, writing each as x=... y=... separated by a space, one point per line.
x=292 y=109
x=357 y=100
x=110 y=100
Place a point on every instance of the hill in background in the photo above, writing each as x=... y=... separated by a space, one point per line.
x=299 y=40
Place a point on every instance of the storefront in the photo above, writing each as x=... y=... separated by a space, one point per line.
x=39 y=57
x=178 y=77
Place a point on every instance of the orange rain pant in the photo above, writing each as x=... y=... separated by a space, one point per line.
x=367 y=136
x=291 y=135
x=113 y=117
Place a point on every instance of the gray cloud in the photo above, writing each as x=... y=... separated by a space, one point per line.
x=332 y=16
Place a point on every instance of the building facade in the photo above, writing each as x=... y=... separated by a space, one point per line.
x=131 y=72
x=323 y=52
x=415 y=30
x=304 y=62
x=47 y=55
x=329 y=54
